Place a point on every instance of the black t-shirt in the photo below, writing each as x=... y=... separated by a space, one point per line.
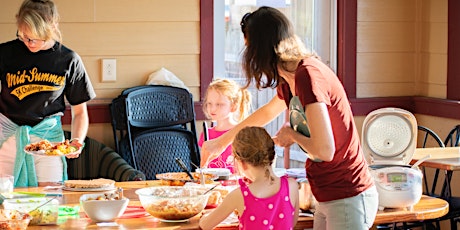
x=33 y=85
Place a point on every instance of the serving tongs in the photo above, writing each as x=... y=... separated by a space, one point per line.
x=184 y=168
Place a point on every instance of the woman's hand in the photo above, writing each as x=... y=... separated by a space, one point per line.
x=284 y=137
x=210 y=150
x=76 y=143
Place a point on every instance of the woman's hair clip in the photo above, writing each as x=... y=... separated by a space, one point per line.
x=244 y=21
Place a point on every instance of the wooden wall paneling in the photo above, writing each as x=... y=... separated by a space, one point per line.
x=69 y=11
x=8 y=32
x=9 y=10
x=147 y=38
x=434 y=37
x=434 y=68
x=389 y=10
x=434 y=10
x=385 y=67
x=386 y=37
x=433 y=90
x=369 y=90
x=135 y=70
x=147 y=10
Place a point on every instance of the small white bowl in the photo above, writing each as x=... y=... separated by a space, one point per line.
x=102 y=210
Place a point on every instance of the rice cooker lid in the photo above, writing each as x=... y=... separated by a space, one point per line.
x=389 y=139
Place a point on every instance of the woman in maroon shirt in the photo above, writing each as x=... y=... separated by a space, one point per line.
x=336 y=168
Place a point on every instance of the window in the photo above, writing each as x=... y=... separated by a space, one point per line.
x=314 y=21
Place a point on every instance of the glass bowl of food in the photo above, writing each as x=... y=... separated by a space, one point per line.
x=173 y=203
x=45 y=214
x=14 y=219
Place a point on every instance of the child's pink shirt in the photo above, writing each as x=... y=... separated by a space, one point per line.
x=225 y=159
x=275 y=212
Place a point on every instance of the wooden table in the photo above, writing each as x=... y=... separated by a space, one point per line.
x=447 y=159
x=427 y=208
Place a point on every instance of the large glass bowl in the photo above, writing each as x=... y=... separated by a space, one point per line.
x=13 y=219
x=173 y=203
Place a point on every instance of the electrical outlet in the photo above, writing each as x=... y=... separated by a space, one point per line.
x=109 y=70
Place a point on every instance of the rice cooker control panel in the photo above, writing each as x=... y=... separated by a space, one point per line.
x=397 y=178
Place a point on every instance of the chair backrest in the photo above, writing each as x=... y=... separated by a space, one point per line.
x=156 y=150
x=159 y=106
x=428 y=138
x=117 y=110
x=100 y=161
x=453 y=137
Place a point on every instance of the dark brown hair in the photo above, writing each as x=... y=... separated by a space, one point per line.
x=270 y=41
x=254 y=146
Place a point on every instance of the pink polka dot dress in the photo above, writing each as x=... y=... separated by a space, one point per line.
x=275 y=212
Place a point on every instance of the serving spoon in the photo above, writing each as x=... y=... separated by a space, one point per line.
x=184 y=168
x=41 y=205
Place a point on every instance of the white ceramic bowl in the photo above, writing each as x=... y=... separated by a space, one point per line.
x=102 y=210
x=173 y=203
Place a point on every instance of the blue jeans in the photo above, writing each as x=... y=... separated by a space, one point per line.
x=353 y=213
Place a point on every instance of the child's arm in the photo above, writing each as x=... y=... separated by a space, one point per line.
x=294 y=196
x=234 y=200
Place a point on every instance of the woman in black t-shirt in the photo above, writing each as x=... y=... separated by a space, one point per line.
x=37 y=75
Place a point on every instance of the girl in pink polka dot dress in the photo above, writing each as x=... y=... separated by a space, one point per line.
x=264 y=201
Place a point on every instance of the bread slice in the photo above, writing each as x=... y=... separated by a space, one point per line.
x=95 y=183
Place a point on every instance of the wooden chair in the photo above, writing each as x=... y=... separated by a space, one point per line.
x=427 y=138
x=451 y=140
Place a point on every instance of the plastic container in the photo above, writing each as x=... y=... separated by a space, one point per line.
x=45 y=215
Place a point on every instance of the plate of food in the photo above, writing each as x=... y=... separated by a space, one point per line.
x=180 y=178
x=297 y=117
x=298 y=120
x=93 y=185
x=47 y=148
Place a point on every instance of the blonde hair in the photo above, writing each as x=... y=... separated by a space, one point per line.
x=238 y=96
x=254 y=146
x=41 y=18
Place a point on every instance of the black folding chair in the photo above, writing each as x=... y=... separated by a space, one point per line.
x=155 y=107
x=156 y=150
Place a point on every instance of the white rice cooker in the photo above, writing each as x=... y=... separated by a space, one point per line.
x=389 y=139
